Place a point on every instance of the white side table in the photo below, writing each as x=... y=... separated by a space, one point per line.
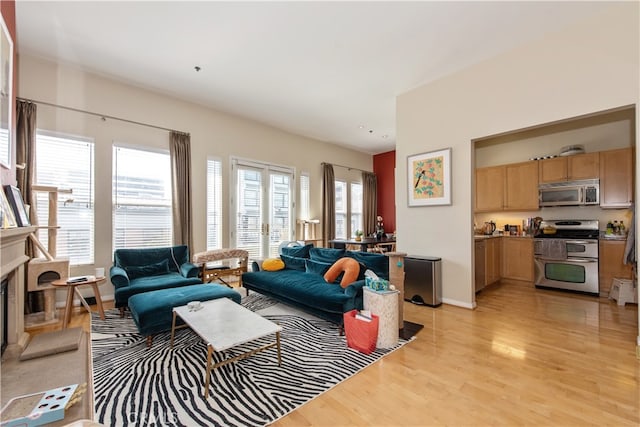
x=384 y=304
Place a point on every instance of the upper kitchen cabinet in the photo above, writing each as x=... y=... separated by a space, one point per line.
x=569 y=168
x=490 y=189
x=508 y=187
x=616 y=178
x=521 y=186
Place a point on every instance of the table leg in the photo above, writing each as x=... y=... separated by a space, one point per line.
x=173 y=328
x=96 y=293
x=208 y=378
x=278 y=346
x=67 y=309
x=82 y=300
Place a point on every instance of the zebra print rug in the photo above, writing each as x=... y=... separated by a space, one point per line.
x=139 y=386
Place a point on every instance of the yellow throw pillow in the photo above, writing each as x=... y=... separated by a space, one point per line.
x=272 y=264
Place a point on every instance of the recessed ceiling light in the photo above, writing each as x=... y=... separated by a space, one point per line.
x=361 y=127
x=197 y=68
x=385 y=136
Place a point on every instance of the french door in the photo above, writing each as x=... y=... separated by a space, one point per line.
x=263 y=207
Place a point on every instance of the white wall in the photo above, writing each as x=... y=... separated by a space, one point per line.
x=213 y=133
x=586 y=68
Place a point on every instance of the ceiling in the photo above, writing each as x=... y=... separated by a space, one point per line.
x=326 y=70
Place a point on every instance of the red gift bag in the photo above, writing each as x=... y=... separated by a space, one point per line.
x=361 y=334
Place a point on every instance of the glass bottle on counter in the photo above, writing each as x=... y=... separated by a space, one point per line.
x=609 y=227
x=616 y=227
x=623 y=231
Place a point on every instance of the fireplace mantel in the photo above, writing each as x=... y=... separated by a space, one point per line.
x=12 y=259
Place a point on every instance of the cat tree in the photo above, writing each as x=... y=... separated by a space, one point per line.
x=42 y=271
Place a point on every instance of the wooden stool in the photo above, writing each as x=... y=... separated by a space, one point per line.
x=72 y=288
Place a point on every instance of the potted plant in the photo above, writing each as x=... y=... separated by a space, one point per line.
x=359 y=235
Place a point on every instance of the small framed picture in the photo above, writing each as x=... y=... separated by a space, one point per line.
x=6 y=212
x=429 y=178
x=14 y=196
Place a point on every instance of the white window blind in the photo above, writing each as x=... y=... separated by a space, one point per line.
x=341 y=209
x=305 y=197
x=67 y=163
x=214 y=204
x=141 y=198
x=356 y=207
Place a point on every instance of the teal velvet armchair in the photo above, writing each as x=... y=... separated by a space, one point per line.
x=136 y=271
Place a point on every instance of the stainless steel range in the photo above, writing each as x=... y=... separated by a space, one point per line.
x=566 y=255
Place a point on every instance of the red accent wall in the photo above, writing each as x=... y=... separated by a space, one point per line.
x=384 y=165
x=8 y=10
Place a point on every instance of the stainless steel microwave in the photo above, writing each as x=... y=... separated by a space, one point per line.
x=570 y=193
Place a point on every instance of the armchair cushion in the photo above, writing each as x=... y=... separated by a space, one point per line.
x=134 y=271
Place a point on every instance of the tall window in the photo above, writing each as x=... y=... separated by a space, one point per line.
x=356 y=207
x=214 y=204
x=305 y=197
x=341 y=209
x=141 y=198
x=67 y=163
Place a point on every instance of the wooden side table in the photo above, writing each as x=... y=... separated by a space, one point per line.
x=73 y=288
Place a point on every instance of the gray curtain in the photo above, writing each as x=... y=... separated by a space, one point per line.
x=328 y=204
x=369 y=202
x=26 y=113
x=180 y=151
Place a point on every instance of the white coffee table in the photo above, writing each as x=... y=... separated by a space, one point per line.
x=223 y=324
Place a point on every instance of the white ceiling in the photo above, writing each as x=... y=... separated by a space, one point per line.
x=326 y=70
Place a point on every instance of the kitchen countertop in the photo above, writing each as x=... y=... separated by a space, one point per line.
x=484 y=236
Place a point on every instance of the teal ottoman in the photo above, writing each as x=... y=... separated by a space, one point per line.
x=152 y=311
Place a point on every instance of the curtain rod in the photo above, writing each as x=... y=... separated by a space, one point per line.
x=102 y=116
x=346 y=167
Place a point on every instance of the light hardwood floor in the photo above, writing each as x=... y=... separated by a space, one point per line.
x=523 y=357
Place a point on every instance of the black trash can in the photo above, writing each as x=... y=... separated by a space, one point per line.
x=423 y=280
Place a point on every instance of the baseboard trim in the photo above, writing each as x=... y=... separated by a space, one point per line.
x=457 y=303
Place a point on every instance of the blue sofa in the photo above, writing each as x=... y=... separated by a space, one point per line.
x=135 y=271
x=301 y=283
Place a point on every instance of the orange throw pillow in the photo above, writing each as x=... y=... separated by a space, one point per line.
x=351 y=270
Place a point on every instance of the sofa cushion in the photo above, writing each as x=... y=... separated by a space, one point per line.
x=135 y=271
x=297 y=251
x=348 y=266
x=293 y=262
x=316 y=267
x=272 y=264
x=377 y=263
x=328 y=255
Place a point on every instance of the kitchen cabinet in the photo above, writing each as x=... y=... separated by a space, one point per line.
x=521 y=188
x=616 y=178
x=489 y=189
x=569 y=168
x=480 y=265
x=517 y=258
x=507 y=187
x=611 y=253
x=494 y=260
x=488 y=261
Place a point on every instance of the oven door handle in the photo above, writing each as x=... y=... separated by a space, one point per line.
x=567 y=260
x=582 y=242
